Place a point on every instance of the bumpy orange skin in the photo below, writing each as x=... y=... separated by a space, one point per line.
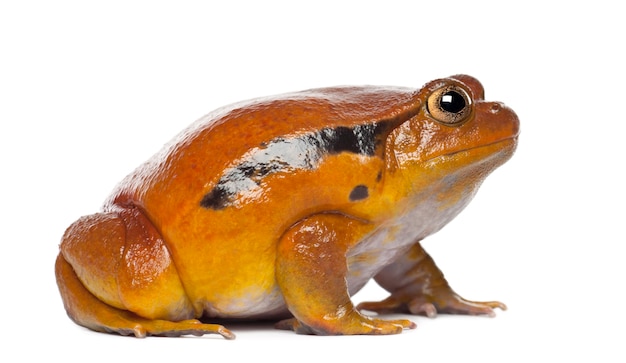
x=284 y=206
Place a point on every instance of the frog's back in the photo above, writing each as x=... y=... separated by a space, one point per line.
x=224 y=191
x=190 y=167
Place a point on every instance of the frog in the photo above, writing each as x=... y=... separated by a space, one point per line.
x=281 y=208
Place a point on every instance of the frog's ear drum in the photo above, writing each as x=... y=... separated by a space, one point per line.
x=450 y=105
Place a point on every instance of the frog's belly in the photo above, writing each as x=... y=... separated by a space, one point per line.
x=372 y=255
x=249 y=305
x=391 y=240
x=376 y=252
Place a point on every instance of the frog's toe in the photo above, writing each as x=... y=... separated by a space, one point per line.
x=287 y=324
x=402 y=324
x=454 y=305
x=422 y=308
x=387 y=306
x=294 y=325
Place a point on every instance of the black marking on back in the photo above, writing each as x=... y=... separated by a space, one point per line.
x=360 y=139
x=216 y=199
x=286 y=154
x=359 y=192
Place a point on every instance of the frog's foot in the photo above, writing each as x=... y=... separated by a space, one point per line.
x=443 y=301
x=354 y=326
x=86 y=310
x=418 y=287
x=141 y=328
x=454 y=305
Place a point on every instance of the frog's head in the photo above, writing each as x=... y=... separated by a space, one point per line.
x=454 y=133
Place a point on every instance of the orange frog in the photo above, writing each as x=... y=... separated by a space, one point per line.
x=283 y=207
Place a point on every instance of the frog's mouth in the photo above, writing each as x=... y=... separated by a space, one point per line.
x=490 y=155
x=508 y=143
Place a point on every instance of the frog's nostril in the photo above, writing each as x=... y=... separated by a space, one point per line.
x=496 y=107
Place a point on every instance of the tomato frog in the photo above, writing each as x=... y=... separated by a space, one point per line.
x=284 y=207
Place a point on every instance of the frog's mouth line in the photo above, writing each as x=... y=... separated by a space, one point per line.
x=508 y=142
x=484 y=152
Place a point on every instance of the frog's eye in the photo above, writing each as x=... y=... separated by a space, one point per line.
x=449 y=105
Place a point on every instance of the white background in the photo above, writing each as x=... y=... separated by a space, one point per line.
x=89 y=90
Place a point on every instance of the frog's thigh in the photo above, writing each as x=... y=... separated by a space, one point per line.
x=89 y=311
x=121 y=259
x=311 y=270
x=148 y=280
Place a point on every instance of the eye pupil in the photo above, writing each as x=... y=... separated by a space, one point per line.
x=452 y=101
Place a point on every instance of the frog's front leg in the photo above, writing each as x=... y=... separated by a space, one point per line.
x=311 y=271
x=417 y=286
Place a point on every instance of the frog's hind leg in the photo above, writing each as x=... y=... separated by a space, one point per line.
x=115 y=275
x=418 y=287
x=86 y=310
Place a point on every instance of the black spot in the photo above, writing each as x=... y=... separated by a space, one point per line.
x=379 y=177
x=216 y=199
x=359 y=192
